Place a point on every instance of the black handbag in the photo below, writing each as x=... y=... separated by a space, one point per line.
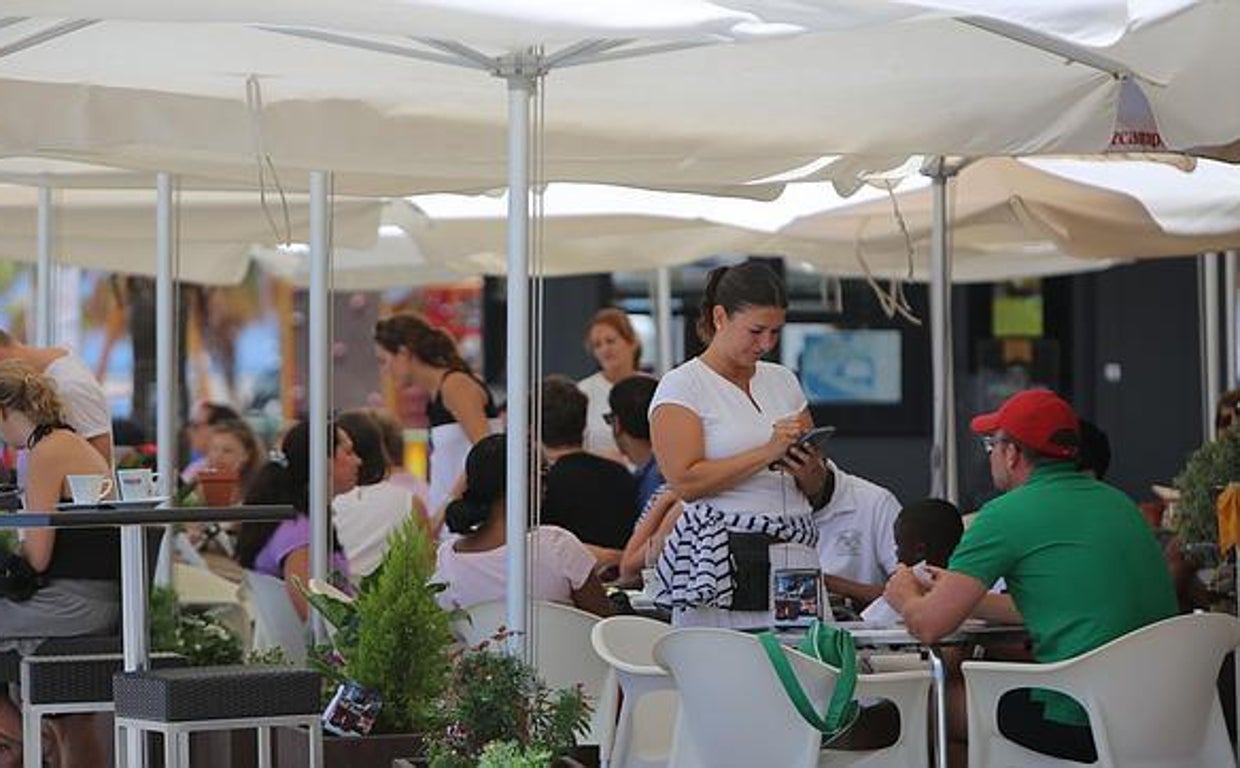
x=751 y=570
x=18 y=580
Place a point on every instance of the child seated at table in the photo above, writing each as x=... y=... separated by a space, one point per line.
x=926 y=531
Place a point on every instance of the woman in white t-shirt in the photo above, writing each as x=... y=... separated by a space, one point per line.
x=724 y=426
x=610 y=338
x=367 y=515
x=474 y=567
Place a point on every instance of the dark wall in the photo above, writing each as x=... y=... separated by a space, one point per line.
x=900 y=464
x=1144 y=318
x=568 y=305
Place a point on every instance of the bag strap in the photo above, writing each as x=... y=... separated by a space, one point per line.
x=835 y=647
x=830 y=646
x=792 y=686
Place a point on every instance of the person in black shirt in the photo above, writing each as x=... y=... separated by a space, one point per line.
x=593 y=497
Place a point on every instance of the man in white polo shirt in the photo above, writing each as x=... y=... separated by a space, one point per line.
x=856 y=537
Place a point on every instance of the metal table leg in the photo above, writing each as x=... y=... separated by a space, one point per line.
x=134 y=637
x=938 y=675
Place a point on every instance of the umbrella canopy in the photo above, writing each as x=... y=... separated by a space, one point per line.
x=114 y=230
x=1013 y=218
x=727 y=93
x=1009 y=219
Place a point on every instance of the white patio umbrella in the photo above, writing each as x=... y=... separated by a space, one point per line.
x=172 y=101
x=215 y=231
x=1035 y=216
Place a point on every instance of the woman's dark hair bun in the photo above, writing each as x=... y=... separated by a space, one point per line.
x=464 y=516
x=706 y=308
x=485 y=481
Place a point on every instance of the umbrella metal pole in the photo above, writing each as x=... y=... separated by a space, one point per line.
x=1207 y=291
x=521 y=85
x=663 y=319
x=943 y=451
x=320 y=340
x=165 y=361
x=45 y=295
x=1229 y=319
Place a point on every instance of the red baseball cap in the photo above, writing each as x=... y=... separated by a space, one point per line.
x=1036 y=418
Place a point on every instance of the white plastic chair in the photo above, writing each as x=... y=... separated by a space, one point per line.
x=1158 y=687
x=564 y=656
x=647 y=720
x=735 y=713
x=276 y=622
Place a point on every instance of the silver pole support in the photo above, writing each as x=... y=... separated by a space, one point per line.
x=1207 y=291
x=320 y=341
x=1229 y=318
x=45 y=273
x=521 y=87
x=165 y=360
x=943 y=474
x=663 y=319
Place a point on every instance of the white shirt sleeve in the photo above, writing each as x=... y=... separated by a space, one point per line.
x=886 y=510
x=86 y=405
x=677 y=387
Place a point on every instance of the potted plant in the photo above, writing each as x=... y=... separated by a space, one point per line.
x=1208 y=470
x=391 y=638
x=496 y=712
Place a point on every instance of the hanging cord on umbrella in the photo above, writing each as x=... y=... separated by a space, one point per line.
x=537 y=263
x=254 y=107
x=892 y=299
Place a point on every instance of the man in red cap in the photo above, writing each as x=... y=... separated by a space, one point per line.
x=1081 y=565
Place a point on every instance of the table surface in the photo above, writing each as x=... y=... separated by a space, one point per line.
x=105 y=516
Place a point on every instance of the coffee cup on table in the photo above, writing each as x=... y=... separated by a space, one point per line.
x=136 y=484
x=89 y=489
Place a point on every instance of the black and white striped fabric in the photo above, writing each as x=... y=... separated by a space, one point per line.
x=695 y=569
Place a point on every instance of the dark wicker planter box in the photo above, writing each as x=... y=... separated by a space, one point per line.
x=340 y=752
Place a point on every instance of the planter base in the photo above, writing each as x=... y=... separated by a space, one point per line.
x=341 y=752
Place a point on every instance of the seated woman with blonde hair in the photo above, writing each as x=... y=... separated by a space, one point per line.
x=57 y=583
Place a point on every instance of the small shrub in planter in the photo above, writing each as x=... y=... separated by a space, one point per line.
x=496 y=709
x=393 y=638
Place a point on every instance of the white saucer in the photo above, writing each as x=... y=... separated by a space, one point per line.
x=126 y=504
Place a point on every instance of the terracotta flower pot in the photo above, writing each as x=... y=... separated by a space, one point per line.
x=219 y=488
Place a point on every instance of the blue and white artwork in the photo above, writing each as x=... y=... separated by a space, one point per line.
x=851 y=366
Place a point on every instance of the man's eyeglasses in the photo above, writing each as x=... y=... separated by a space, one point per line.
x=990 y=441
x=609 y=418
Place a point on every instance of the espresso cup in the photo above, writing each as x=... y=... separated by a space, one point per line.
x=136 y=484
x=89 y=489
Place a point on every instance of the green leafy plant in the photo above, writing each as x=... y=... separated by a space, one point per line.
x=1211 y=466
x=509 y=754
x=393 y=637
x=200 y=637
x=497 y=699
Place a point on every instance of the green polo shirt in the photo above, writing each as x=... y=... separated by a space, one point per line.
x=1080 y=562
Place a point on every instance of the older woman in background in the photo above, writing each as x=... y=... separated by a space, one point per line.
x=613 y=343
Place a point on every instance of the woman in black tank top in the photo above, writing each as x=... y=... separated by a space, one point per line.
x=76 y=570
x=413 y=352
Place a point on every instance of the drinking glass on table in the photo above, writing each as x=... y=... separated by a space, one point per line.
x=654 y=548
